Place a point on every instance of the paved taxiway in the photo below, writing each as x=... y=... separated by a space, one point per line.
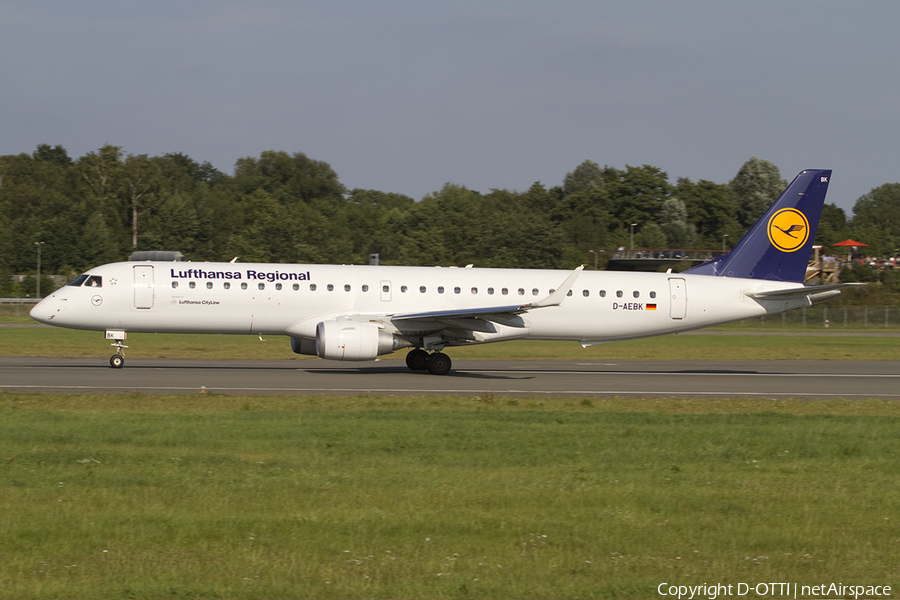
x=777 y=379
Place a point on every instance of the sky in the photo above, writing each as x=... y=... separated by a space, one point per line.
x=404 y=96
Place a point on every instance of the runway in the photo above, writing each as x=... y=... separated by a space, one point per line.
x=701 y=379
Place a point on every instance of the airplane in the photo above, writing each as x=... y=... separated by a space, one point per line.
x=358 y=313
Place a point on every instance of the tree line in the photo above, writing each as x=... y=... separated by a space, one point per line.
x=282 y=207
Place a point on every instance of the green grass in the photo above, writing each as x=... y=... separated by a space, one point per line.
x=439 y=497
x=70 y=343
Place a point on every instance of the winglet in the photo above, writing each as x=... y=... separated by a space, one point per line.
x=556 y=298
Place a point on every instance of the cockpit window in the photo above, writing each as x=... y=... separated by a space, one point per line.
x=78 y=280
x=94 y=281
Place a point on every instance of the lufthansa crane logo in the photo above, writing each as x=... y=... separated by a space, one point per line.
x=788 y=229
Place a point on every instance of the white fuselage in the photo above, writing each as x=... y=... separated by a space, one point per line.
x=170 y=297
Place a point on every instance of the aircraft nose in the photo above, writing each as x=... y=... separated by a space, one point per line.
x=44 y=310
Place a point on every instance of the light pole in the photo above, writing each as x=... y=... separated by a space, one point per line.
x=596 y=258
x=723 y=242
x=39 y=244
x=632 y=235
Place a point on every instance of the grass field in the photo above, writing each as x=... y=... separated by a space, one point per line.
x=70 y=343
x=222 y=497
x=205 y=496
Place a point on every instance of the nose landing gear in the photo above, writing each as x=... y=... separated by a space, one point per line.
x=117 y=360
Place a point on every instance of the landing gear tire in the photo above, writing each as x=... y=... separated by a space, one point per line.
x=417 y=359
x=438 y=364
x=116 y=361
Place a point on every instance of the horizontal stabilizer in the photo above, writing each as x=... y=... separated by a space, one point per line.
x=800 y=292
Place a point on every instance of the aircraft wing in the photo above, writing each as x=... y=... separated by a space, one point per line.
x=459 y=324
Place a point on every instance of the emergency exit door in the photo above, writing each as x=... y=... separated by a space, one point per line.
x=677 y=298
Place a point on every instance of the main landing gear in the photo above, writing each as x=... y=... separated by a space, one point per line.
x=437 y=363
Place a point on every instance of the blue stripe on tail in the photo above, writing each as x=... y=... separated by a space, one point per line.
x=778 y=246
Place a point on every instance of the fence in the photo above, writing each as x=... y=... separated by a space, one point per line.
x=831 y=317
x=17 y=307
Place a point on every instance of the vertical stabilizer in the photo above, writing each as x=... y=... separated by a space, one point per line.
x=778 y=246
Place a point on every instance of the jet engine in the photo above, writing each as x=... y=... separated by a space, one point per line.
x=350 y=340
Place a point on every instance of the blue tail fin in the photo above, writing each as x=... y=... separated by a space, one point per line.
x=779 y=244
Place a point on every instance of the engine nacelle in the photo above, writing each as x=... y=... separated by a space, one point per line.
x=350 y=340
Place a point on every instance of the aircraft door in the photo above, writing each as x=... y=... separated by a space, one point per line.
x=385 y=291
x=143 y=286
x=677 y=298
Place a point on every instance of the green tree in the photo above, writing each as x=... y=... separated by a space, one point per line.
x=673 y=221
x=587 y=177
x=56 y=155
x=445 y=228
x=710 y=210
x=101 y=171
x=516 y=236
x=288 y=178
x=636 y=194
x=755 y=187
x=833 y=226
x=651 y=236
x=876 y=220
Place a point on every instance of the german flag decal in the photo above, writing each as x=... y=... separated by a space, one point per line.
x=651 y=307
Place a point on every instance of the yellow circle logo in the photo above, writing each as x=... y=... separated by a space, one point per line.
x=788 y=229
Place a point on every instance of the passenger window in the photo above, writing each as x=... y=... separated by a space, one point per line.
x=385 y=288
x=244 y=286
x=637 y=294
x=312 y=287
x=490 y=291
x=440 y=289
x=653 y=294
x=261 y=286
x=330 y=287
x=295 y=287
x=209 y=285
x=603 y=293
x=504 y=291
x=535 y=292
x=569 y=293
x=619 y=294
x=521 y=291
x=421 y=289
x=278 y=286
x=174 y=285
x=192 y=284
x=585 y=293
x=456 y=290
x=403 y=289
x=474 y=290
x=365 y=288
x=346 y=287
x=226 y=285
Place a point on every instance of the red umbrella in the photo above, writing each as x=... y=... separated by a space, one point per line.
x=849 y=243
